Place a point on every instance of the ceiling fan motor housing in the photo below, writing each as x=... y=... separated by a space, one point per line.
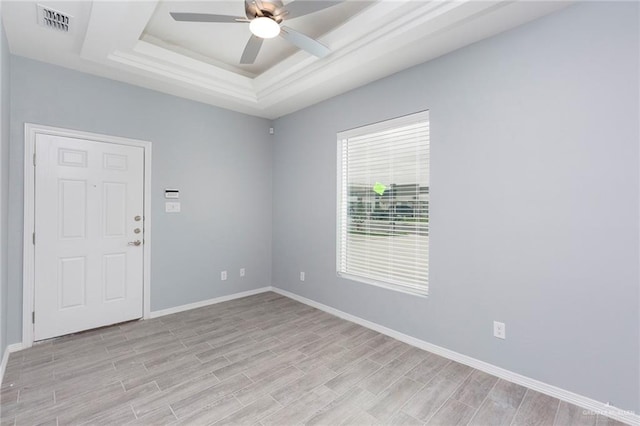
x=268 y=8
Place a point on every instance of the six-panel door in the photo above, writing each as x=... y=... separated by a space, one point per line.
x=89 y=204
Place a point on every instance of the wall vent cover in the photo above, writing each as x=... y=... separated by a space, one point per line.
x=53 y=19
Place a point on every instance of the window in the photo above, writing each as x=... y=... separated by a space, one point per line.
x=383 y=203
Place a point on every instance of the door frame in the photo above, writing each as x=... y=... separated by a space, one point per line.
x=28 y=263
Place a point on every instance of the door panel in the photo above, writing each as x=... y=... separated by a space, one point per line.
x=114 y=204
x=72 y=281
x=87 y=197
x=72 y=208
x=115 y=276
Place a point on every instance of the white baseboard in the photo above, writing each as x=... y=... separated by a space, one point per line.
x=15 y=347
x=189 y=306
x=556 y=392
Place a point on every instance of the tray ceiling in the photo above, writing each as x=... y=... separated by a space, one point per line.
x=139 y=43
x=222 y=44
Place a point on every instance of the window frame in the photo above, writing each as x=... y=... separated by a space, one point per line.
x=381 y=126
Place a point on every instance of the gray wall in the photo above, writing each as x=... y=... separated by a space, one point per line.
x=4 y=182
x=534 y=195
x=220 y=160
x=534 y=200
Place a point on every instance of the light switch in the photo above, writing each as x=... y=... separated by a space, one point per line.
x=172 y=207
x=171 y=193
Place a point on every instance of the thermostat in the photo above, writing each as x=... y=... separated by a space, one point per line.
x=171 y=193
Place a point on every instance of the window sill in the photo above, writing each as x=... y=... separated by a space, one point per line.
x=389 y=286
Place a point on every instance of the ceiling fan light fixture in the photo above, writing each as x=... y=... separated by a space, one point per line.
x=264 y=27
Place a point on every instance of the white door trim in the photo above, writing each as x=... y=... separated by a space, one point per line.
x=28 y=282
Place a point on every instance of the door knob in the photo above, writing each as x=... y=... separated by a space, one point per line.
x=134 y=243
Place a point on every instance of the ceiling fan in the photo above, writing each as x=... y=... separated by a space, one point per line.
x=265 y=18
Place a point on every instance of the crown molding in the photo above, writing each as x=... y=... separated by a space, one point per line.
x=380 y=40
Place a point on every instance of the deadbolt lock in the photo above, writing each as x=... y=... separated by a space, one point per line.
x=137 y=218
x=137 y=230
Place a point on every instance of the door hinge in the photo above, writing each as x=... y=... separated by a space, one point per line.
x=34 y=159
x=33 y=237
x=33 y=317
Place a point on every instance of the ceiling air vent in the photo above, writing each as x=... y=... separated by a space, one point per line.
x=50 y=18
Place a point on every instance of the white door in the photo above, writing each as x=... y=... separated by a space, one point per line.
x=88 y=222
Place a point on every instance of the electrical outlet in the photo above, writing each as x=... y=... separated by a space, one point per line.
x=301 y=276
x=499 y=330
x=223 y=275
x=172 y=207
x=242 y=272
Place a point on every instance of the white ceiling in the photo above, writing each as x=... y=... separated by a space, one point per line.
x=139 y=43
x=222 y=44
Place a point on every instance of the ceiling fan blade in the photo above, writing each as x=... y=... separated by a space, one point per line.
x=251 y=50
x=205 y=17
x=304 y=7
x=304 y=42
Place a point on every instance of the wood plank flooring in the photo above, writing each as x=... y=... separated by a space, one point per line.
x=265 y=360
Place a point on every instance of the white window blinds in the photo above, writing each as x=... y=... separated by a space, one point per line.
x=383 y=203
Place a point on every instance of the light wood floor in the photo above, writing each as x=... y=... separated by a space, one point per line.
x=264 y=359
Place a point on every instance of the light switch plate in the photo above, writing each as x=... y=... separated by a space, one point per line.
x=172 y=207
